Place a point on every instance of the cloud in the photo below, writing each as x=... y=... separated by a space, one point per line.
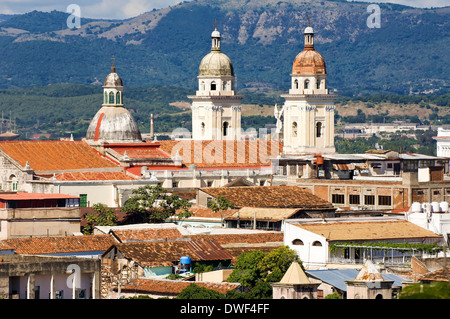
x=99 y=9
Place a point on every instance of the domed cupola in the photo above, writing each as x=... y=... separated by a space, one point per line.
x=216 y=63
x=113 y=123
x=309 y=70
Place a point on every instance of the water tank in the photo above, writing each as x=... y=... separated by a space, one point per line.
x=185 y=260
x=416 y=207
x=435 y=208
x=444 y=207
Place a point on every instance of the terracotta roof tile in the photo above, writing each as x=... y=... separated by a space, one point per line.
x=173 y=287
x=163 y=234
x=140 y=151
x=380 y=230
x=268 y=196
x=93 y=176
x=156 y=254
x=59 y=244
x=205 y=154
x=55 y=155
x=437 y=275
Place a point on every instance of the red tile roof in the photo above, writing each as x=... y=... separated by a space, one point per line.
x=55 y=155
x=223 y=154
x=268 y=196
x=159 y=234
x=59 y=244
x=156 y=254
x=137 y=151
x=94 y=176
x=33 y=196
x=173 y=287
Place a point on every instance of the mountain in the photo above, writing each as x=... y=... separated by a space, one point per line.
x=407 y=54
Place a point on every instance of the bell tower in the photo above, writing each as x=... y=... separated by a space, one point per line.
x=216 y=109
x=308 y=111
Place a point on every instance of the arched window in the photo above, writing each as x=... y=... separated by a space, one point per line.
x=318 y=129
x=118 y=98
x=297 y=242
x=105 y=98
x=111 y=97
x=318 y=84
x=306 y=84
x=224 y=85
x=317 y=243
x=225 y=128
x=203 y=128
x=14 y=182
x=213 y=86
x=294 y=129
x=202 y=86
x=296 y=84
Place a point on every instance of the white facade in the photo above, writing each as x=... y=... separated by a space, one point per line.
x=443 y=142
x=216 y=109
x=308 y=111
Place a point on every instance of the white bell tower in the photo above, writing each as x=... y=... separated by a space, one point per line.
x=308 y=111
x=216 y=109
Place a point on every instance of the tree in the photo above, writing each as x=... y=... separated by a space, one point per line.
x=221 y=205
x=276 y=262
x=103 y=216
x=246 y=270
x=152 y=204
x=193 y=291
x=439 y=290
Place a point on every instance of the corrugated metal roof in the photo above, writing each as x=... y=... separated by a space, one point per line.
x=337 y=277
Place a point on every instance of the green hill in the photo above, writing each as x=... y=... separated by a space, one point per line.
x=408 y=54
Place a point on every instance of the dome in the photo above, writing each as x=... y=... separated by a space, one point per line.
x=308 y=30
x=309 y=62
x=113 y=80
x=114 y=125
x=217 y=64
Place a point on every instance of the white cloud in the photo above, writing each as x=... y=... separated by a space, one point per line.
x=106 y=9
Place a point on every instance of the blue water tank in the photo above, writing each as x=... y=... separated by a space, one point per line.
x=185 y=260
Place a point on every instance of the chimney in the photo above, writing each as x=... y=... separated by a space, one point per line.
x=151 y=126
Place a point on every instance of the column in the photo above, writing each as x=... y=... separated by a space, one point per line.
x=52 y=287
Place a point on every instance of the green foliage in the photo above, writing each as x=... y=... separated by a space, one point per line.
x=201 y=267
x=334 y=295
x=427 y=248
x=255 y=266
x=103 y=216
x=439 y=290
x=193 y=291
x=152 y=204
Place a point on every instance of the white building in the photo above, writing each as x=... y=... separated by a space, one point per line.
x=308 y=111
x=216 y=109
x=443 y=142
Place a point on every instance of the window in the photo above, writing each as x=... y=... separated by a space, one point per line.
x=118 y=98
x=262 y=182
x=202 y=86
x=174 y=184
x=306 y=84
x=297 y=242
x=294 y=129
x=354 y=199
x=318 y=129
x=209 y=183
x=317 y=243
x=225 y=128
x=111 y=97
x=105 y=98
x=369 y=200
x=296 y=84
x=213 y=86
x=338 y=198
x=384 y=200
x=224 y=85
x=318 y=84
x=83 y=200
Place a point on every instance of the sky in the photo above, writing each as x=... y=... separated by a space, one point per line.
x=123 y=9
